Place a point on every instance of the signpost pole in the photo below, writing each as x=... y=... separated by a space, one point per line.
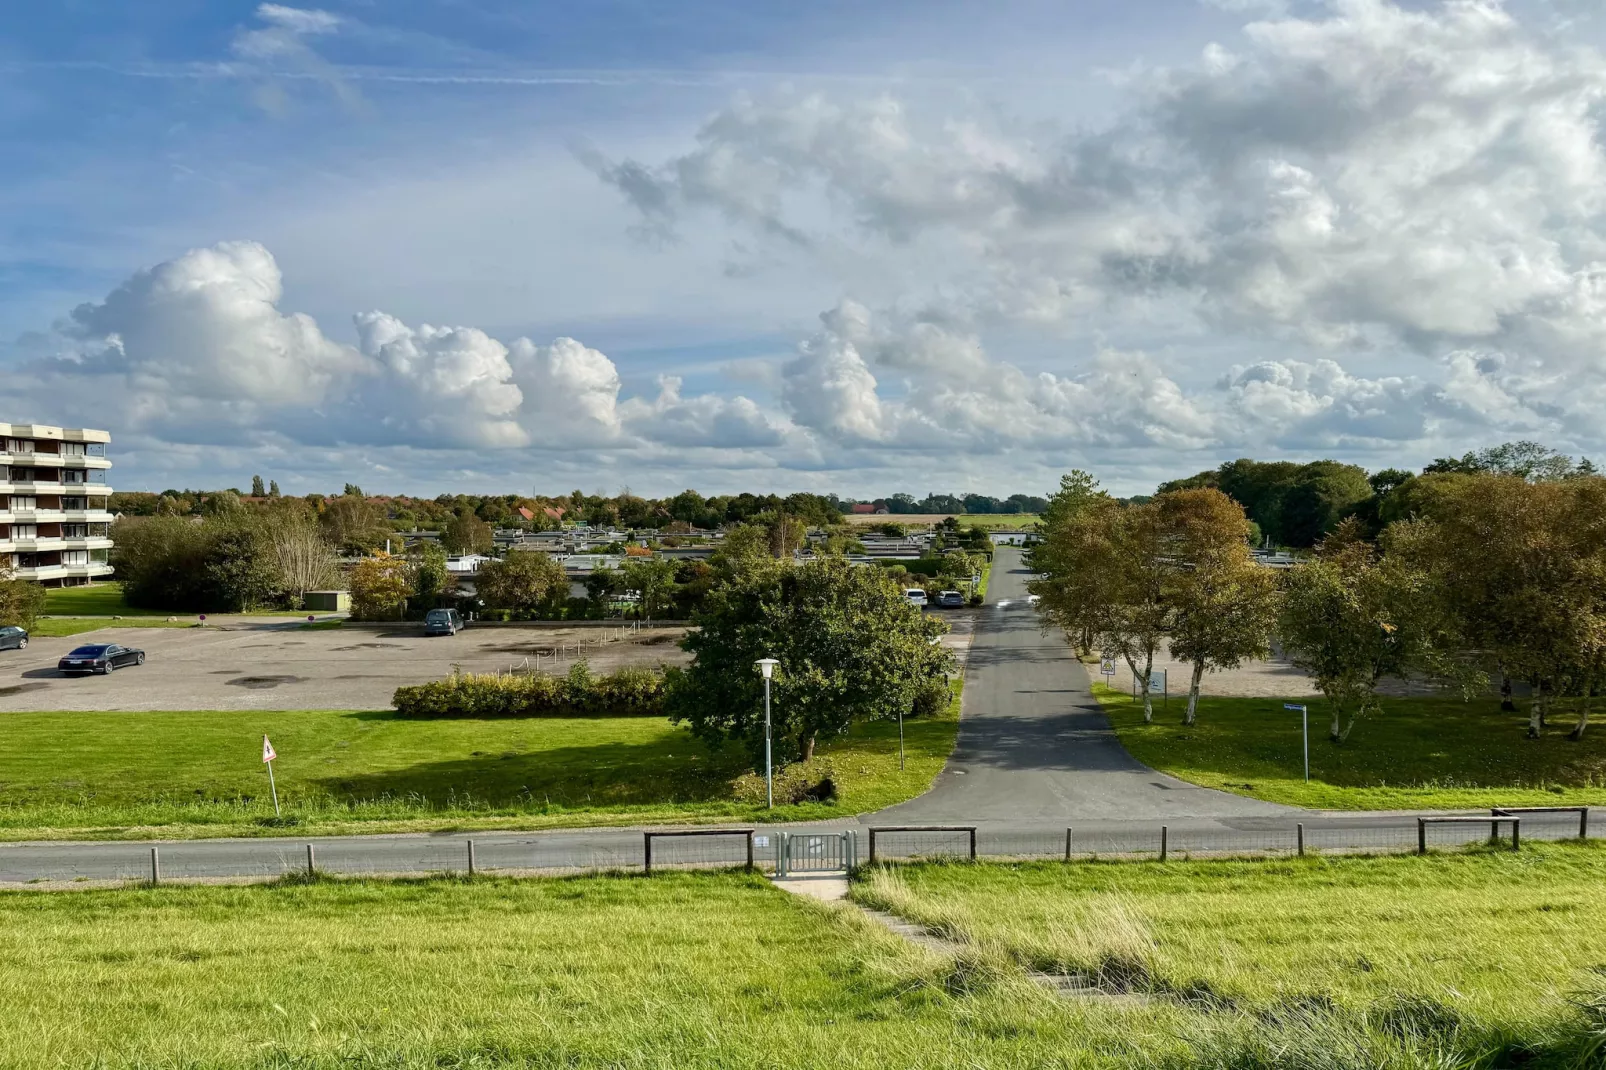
x=1304 y=722
x=268 y=755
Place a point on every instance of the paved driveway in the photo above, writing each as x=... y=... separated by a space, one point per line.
x=1034 y=747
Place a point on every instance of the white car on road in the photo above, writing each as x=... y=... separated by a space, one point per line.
x=916 y=596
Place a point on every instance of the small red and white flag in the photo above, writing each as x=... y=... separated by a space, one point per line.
x=268 y=753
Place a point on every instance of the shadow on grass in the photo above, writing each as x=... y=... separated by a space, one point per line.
x=1413 y=741
x=680 y=770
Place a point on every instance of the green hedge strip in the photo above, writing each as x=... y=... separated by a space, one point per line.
x=629 y=692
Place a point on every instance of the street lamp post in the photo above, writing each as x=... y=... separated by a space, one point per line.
x=1304 y=720
x=767 y=667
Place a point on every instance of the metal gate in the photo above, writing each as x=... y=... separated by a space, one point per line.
x=816 y=852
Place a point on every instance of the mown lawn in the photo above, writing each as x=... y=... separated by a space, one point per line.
x=199 y=773
x=1481 y=958
x=95 y=599
x=48 y=627
x=1418 y=753
x=1345 y=965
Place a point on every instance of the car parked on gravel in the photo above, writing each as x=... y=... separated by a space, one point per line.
x=100 y=657
x=950 y=600
x=443 y=622
x=915 y=596
x=13 y=638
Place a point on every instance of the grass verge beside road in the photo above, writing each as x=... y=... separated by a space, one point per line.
x=1427 y=753
x=182 y=775
x=58 y=627
x=1475 y=955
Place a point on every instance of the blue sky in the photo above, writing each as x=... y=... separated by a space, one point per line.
x=834 y=246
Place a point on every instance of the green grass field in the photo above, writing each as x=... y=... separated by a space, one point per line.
x=1462 y=961
x=1418 y=753
x=94 y=600
x=162 y=774
x=1475 y=958
x=56 y=627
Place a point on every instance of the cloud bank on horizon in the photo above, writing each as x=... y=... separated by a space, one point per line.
x=1392 y=221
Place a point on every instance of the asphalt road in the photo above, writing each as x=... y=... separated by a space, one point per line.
x=1035 y=748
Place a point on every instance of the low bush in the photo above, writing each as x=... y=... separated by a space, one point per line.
x=799 y=782
x=629 y=692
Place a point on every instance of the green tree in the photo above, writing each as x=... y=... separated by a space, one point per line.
x=524 y=581
x=354 y=525
x=1076 y=581
x=238 y=567
x=850 y=648
x=1350 y=617
x=650 y=579
x=273 y=488
x=431 y=581
x=258 y=490
x=379 y=588
x=600 y=586
x=1224 y=605
x=467 y=534
x=21 y=601
x=302 y=557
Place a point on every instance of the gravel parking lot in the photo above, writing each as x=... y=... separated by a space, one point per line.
x=254 y=666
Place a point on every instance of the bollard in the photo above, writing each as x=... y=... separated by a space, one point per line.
x=1583 y=823
x=1516 y=834
x=471 y=858
x=1067 y=844
x=1421 y=836
x=1299 y=833
x=1163 y=833
x=309 y=860
x=156 y=869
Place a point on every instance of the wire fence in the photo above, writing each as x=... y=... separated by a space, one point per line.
x=813 y=849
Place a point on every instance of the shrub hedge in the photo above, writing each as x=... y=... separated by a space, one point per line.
x=629 y=692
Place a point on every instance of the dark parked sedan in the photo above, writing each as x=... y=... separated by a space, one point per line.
x=101 y=658
x=12 y=638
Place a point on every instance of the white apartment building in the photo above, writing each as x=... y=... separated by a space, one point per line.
x=54 y=524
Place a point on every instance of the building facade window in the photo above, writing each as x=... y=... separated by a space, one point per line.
x=25 y=531
x=23 y=503
x=75 y=557
x=75 y=504
x=75 y=531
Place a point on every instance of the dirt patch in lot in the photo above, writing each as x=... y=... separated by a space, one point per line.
x=269 y=666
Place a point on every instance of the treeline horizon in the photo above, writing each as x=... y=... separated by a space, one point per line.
x=553 y=511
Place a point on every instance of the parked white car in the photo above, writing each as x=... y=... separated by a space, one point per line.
x=916 y=596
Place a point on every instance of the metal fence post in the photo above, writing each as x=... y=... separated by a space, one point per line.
x=309 y=860
x=1421 y=836
x=749 y=851
x=1583 y=823
x=156 y=869
x=646 y=852
x=973 y=843
x=1516 y=833
x=1067 y=844
x=872 y=845
x=471 y=858
x=1163 y=834
x=1299 y=832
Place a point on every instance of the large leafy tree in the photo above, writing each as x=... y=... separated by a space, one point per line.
x=652 y=580
x=379 y=587
x=524 y=581
x=467 y=534
x=850 y=649
x=1224 y=604
x=1351 y=616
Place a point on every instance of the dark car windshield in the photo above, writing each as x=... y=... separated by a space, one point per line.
x=438 y=615
x=88 y=652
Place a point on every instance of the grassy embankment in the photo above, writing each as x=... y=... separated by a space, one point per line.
x=1465 y=959
x=64 y=605
x=175 y=775
x=1428 y=753
x=1459 y=961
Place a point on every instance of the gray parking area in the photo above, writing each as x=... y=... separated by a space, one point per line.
x=268 y=666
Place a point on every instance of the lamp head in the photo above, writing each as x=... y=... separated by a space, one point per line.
x=767 y=666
